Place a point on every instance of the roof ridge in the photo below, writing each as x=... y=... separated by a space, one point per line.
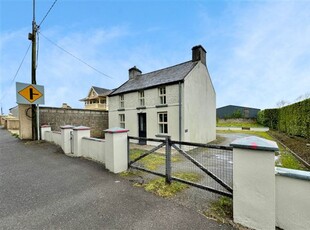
x=182 y=63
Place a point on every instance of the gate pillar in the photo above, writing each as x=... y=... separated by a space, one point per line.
x=78 y=133
x=116 y=158
x=254 y=182
x=66 y=138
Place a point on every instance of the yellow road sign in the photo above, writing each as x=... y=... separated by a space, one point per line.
x=30 y=93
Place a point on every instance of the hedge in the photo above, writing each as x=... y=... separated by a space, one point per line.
x=293 y=119
x=268 y=117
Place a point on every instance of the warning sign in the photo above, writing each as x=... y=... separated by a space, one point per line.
x=29 y=94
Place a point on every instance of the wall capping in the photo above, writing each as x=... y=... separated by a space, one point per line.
x=255 y=143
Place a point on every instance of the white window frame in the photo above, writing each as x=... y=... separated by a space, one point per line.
x=162 y=95
x=121 y=101
x=162 y=123
x=122 y=120
x=141 y=98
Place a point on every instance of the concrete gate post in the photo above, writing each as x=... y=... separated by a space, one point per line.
x=66 y=138
x=116 y=159
x=78 y=133
x=254 y=182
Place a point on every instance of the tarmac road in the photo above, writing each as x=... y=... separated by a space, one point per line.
x=41 y=188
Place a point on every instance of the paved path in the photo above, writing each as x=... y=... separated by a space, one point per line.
x=41 y=188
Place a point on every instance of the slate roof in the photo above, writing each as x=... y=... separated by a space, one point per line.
x=168 y=75
x=99 y=91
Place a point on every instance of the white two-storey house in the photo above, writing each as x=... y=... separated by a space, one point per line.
x=179 y=101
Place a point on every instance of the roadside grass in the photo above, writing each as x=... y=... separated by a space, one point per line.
x=221 y=210
x=153 y=160
x=238 y=124
x=15 y=135
x=160 y=188
x=287 y=160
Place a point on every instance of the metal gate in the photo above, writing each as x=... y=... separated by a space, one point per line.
x=211 y=164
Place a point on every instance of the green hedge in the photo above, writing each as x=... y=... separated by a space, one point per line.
x=268 y=117
x=293 y=119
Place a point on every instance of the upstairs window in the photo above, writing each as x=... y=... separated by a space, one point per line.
x=122 y=121
x=121 y=101
x=162 y=95
x=163 y=122
x=102 y=101
x=141 y=98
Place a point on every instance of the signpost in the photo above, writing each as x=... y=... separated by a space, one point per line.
x=30 y=94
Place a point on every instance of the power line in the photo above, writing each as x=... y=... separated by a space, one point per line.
x=20 y=65
x=47 y=13
x=79 y=59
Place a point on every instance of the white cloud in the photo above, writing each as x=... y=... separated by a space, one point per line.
x=270 y=56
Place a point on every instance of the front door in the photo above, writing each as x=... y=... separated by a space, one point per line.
x=142 y=127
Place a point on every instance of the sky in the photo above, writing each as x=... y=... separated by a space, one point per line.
x=258 y=52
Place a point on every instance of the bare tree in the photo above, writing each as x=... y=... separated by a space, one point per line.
x=282 y=103
x=303 y=97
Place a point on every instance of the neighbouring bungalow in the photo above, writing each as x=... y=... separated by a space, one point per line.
x=97 y=99
x=179 y=101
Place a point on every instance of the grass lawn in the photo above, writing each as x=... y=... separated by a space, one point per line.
x=287 y=160
x=153 y=160
x=247 y=124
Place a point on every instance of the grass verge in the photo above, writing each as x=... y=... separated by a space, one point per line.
x=287 y=160
x=160 y=188
x=221 y=210
x=153 y=160
x=238 y=124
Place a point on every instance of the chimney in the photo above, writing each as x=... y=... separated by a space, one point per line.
x=199 y=54
x=133 y=72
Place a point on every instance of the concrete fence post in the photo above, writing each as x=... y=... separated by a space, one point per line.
x=45 y=128
x=78 y=133
x=66 y=138
x=116 y=159
x=254 y=182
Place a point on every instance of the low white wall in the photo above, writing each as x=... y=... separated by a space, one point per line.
x=93 y=148
x=292 y=199
x=113 y=153
x=56 y=137
x=53 y=136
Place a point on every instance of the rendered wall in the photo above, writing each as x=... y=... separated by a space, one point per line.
x=199 y=106
x=25 y=122
x=151 y=100
x=292 y=203
x=94 y=149
x=53 y=136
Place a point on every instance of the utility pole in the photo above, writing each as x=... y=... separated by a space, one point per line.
x=33 y=37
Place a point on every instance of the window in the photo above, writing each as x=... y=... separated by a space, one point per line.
x=141 y=98
x=102 y=101
x=163 y=122
x=121 y=101
x=162 y=95
x=122 y=120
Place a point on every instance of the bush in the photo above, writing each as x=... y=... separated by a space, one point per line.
x=292 y=119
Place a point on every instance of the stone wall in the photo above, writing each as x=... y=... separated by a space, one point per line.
x=56 y=117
